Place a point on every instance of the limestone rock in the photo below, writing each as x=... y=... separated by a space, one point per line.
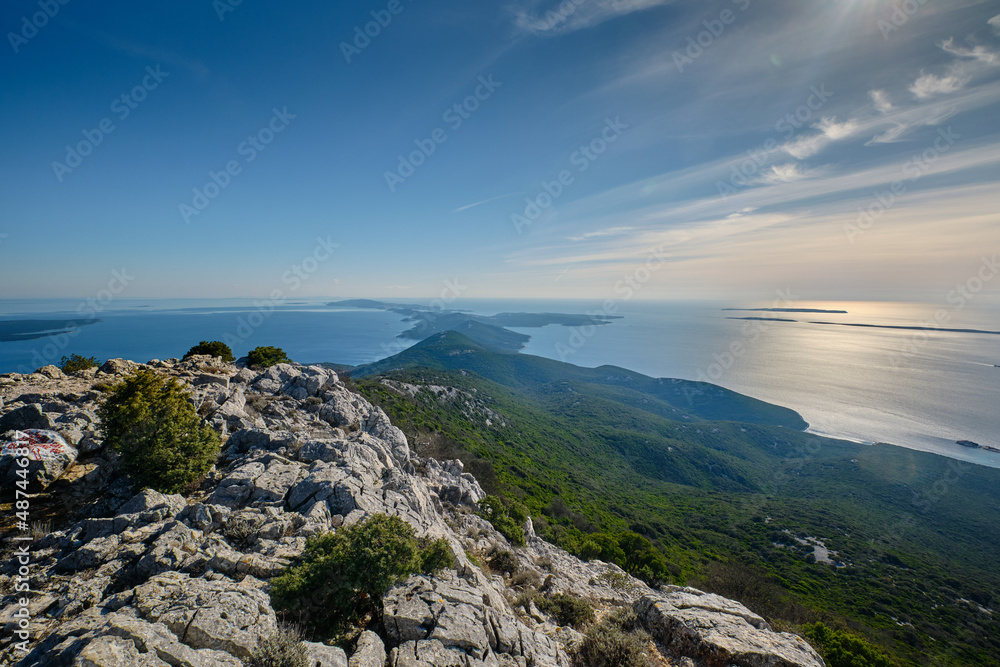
x=370 y=651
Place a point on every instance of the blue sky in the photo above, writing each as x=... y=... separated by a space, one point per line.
x=843 y=149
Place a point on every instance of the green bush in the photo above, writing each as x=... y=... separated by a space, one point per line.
x=75 y=362
x=506 y=519
x=566 y=609
x=841 y=649
x=504 y=562
x=284 y=648
x=151 y=422
x=265 y=357
x=341 y=576
x=213 y=348
x=617 y=641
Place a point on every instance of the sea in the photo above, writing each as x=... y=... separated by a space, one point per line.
x=917 y=375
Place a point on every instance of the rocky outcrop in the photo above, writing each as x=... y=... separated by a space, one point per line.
x=152 y=579
x=719 y=632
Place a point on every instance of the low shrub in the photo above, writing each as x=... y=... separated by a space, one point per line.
x=265 y=357
x=507 y=519
x=566 y=609
x=503 y=561
x=241 y=529
x=213 y=348
x=283 y=648
x=341 y=576
x=163 y=443
x=75 y=362
x=617 y=641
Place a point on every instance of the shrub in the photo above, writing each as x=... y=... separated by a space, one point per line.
x=264 y=357
x=283 y=648
x=75 y=362
x=617 y=641
x=241 y=529
x=213 y=348
x=841 y=649
x=504 y=562
x=566 y=609
x=504 y=518
x=152 y=424
x=341 y=576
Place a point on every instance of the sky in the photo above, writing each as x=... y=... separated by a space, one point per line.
x=838 y=149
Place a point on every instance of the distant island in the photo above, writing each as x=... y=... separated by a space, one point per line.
x=15 y=330
x=787 y=310
x=976 y=445
x=765 y=319
x=891 y=326
x=485 y=329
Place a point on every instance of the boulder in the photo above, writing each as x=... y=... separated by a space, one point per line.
x=717 y=632
x=26 y=417
x=370 y=651
x=48 y=456
x=52 y=372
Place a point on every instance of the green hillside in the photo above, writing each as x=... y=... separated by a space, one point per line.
x=726 y=488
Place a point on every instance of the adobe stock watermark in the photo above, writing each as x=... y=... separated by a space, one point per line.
x=454 y=116
x=958 y=298
x=744 y=172
x=626 y=288
x=699 y=43
x=581 y=158
x=913 y=169
x=750 y=331
x=293 y=279
x=248 y=149
x=122 y=107
x=363 y=35
x=87 y=310
x=449 y=293
x=223 y=7
x=30 y=25
x=900 y=15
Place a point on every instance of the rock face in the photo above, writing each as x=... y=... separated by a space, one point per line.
x=719 y=632
x=152 y=579
x=45 y=455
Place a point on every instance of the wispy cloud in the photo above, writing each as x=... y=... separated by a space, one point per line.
x=610 y=231
x=829 y=130
x=549 y=18
x=995 y=22
x=786 y=173
x=880 y=99
x=485 y=201
x=928 y=85
x=978 y=52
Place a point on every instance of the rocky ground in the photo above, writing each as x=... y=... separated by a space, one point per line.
x=120 y=577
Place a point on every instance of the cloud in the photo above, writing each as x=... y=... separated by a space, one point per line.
x=610 y=231
x=785 y=173
x=485 y=201
x=829 y=130
x=928 y=85
x=995 y=22
x=880 y=99
x=980 y=53
x=548 y=18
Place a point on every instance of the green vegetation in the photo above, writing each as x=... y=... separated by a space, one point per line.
x=600 y=456
x=75 y=362
x=283 y=648
x=265 y=357
x=341 y=576
x=213 y=348
x=151 y=422
x=841 y=649
x=567 y=609
x=507 y=519
x=617 y=641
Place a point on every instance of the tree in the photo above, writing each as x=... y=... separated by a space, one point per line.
x=213 y=348
x=265 y=357
x=151 y=422
x=76 y=363
x=341 y=576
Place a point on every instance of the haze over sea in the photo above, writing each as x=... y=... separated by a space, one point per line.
x=918 y=389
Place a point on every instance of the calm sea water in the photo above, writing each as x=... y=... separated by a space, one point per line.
x=910 y=388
